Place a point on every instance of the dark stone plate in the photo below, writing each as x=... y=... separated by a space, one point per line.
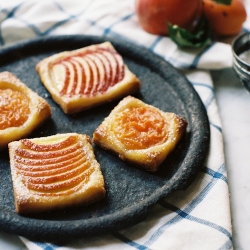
x=130 y=192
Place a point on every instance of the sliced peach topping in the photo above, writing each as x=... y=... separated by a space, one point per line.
x=52 y=167
x=45 y=155
x=91 y=72
x=60 y=186
x=58 y=177
x=44 y=164
x=46 y=170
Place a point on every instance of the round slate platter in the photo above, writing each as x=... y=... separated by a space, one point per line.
x=130 y=192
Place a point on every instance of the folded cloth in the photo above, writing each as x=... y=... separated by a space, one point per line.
x=195 y=218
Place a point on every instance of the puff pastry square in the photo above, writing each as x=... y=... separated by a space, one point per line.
x=87 y=77
x=140 y=133
x=54 y=172
x=21 y=109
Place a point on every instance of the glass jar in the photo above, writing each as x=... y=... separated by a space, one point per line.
x=241 y=58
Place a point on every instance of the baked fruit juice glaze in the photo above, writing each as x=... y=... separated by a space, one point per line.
x=42 y=166
x=90 y=72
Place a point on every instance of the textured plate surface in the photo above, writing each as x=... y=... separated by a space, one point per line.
x=130 y=192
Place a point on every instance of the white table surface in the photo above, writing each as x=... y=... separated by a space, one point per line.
x=234 y=107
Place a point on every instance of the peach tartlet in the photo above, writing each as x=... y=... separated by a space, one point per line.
x=54 y=172
x=87 y=77
x=21 y=109
x=139 y=133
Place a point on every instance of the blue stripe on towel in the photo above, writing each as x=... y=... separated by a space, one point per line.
x=154 y=44
x=227 y=245
x=33 y=27
x=46 y=246
x=185 y=215
x=214 y=174
x=217 y=127
x=108 y=29
x=9 y=14
x=209 y=100
x=129 y=242
x=196 y=60
x=76 y=15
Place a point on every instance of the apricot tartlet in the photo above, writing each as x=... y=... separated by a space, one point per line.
x=139 y=133
x=21 y=109
x=54 y=172
x=87 y=77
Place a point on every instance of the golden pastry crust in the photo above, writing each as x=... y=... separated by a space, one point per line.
x=87 y=77
x=140 y=133
x=14 y=124
x=54 y=172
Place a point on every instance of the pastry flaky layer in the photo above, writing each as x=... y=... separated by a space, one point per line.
x=54 y=172
x=140 y=133
x=87 y=77
x=21 y=109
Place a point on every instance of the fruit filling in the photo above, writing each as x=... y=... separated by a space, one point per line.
x=140 y=128
x=14 y=108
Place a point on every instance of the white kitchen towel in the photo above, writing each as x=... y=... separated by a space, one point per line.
x=195 y=218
